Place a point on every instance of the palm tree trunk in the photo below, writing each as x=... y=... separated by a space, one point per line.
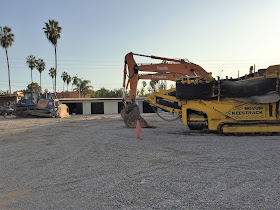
x=56 y=70
x=52 y=85
x=40 y=81
x=31 y=76
x=8 y=71
x=80 y=90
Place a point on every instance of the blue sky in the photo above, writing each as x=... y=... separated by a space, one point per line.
x=228 y=35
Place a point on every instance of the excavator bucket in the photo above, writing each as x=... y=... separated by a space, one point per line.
x=131 y=114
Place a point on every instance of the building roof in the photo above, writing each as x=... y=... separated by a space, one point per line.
x=96 y=99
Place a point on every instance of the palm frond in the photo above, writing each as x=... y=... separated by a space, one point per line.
x=31 y=61
x=40 y=65
x=52 y=31
x=52 y=72
x=6 y=37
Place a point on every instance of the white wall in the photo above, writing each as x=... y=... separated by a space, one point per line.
x=140 y=104
x=86 y=107
x=111 y=107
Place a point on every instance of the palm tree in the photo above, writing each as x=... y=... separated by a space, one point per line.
x=83 y=86
x=153 y=84
x=31 y=61
x=144 y=83
x=64 y=76
x=52 y=31
x=52 y=73
x=6 y=40
x=76 y=81
x=33 y=87
x=68 y=80
x=40 y=65
x=142 y=90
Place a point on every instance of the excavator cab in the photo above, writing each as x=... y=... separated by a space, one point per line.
x=29 y=99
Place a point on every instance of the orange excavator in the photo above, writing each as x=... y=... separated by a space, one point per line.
x=169 y=69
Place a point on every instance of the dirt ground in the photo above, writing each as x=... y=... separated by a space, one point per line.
x=95 y=162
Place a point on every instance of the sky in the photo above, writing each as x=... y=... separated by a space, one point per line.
x=222 y=36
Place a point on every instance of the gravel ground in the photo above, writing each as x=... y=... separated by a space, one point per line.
x=95 y=162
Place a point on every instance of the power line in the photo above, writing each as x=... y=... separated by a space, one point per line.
x=50 y=59
x=98 y=61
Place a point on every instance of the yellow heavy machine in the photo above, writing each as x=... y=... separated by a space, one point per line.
x=249 y=104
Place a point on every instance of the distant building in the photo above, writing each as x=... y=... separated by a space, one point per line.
x=15 y=97
x=18 y=94
x=72 y=95
x=7 y=98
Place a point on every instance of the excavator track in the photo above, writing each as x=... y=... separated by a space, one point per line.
x=249 y=128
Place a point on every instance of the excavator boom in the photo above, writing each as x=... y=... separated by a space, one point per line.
x=162 y=71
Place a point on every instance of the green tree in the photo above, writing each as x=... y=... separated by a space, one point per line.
x=105 y=93
x=64 y=76
x=102 y=93
x=153 y=84
x=76 y=82
x=33 y=87
x=40 y=65
x=52 y=31
x=84 y=87
x=142 y=90
x=144 y=83
x=52 y=73
x=150 y=90
x=6 y=40
x=2 y=93
x=31 y=61
x=68 y=80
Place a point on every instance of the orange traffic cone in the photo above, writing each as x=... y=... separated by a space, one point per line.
x=138 y=130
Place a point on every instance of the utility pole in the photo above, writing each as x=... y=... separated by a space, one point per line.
x=79 y=89
x=79 y=83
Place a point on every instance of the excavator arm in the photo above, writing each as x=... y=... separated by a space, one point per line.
x=175 y=69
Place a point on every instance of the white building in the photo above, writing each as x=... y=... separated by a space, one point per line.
x=101 y=105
